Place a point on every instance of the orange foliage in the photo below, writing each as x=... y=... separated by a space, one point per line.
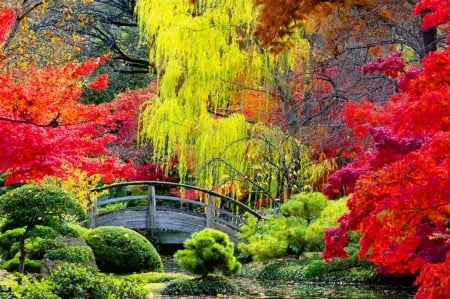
x=256 y=106
x=330 y=19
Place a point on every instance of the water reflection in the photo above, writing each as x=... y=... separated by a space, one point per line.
x=268 y=289
x=304 y=290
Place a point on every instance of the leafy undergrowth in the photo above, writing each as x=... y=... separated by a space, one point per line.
x=77 y=285
x=312 y=268
x=212 y=285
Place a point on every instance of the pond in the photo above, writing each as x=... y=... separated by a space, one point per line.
x=305 y=290
x=270 y=289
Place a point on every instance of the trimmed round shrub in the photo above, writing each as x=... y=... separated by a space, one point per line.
x=121 y=250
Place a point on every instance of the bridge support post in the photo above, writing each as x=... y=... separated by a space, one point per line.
x=151 y=208
x=92 y=212
x=210 y=212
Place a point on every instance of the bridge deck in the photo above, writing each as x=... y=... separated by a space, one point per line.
x=151 y=205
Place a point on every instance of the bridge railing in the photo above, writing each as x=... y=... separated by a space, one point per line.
x=157 y=195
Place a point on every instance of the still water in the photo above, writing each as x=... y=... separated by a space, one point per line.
x=304 y=290
x=268 y=289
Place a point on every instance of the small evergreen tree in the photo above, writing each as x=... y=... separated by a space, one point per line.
x=208 y=251
x=31 y=205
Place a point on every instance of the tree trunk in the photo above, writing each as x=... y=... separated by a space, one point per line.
x=429 y=36
x=22 y=249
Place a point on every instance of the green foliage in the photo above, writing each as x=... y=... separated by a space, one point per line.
x=30 y=205
x=68 y=230
x=208 y=251
x=39 y=240
x=300 y=227
x=6 y=292
x=39 y=294
x=349 y=270
x=9 y=242
x=80 y=231
x=122 y=250
x=75 y=281
x=12 y=265
x=306 y=205
x=264 y=247
x=283 y=270
x=311 y=267
x=212 y=286
x=33 y=289
x=154 y=277
x=72 y=254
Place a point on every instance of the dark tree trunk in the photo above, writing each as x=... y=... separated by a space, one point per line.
x=429 y=36
x=22 y=249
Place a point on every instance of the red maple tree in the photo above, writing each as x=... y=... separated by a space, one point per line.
x=400 y=186
x=47 y=130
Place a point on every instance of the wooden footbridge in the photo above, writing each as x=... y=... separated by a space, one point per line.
x=171 y=211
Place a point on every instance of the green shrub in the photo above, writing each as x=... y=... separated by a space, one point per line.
x=75 y=281
x=39 y=240
x=350 y=270
x=154 y=277
x=9 y=242
x=33 y=266
x=72 y=254
x=39 y=294
x=208 y=251
x=69 y=231
x=6 y=292
x=265 y=247
x=80 y=231
x=122 y=288
x=122 y=250
x=299 y=228
x=213 y=286
x=31 y=287
x=31 y=205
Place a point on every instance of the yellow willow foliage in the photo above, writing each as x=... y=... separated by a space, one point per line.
x=78 y=186
x=201 y=50
x=205 y=54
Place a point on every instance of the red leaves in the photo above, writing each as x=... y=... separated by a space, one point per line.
x=6 y=21
x=335 y=241
x=400 y=202
x=434 y=280
x=437 y=12
x=391 y=65
x=100 y=83
x=46 y=130
x=86 y=68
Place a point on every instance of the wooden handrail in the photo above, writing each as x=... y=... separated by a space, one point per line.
x=171 y=184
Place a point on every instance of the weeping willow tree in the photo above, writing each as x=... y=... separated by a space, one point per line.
x=205 y=55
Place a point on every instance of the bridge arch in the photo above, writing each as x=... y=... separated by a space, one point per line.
x=171 y=211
